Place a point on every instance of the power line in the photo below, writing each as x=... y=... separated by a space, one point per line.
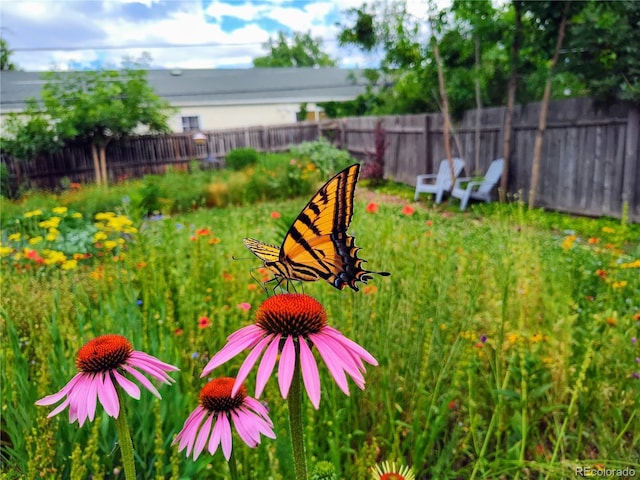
x=145 y=46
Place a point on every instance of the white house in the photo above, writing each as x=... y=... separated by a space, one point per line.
x=215 y=99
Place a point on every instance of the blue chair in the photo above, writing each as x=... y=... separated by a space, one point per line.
x=478 y=189
x=438 y=183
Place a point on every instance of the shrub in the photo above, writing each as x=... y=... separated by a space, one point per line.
x=327 y=158
x=241 y=158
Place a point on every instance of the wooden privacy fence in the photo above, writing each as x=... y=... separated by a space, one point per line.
x=151 y=154
x=590 y=158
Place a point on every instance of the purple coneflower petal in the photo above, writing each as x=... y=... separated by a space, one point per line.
x=60 y=408
x=351 y=345
x=137 y=355
x=127 y=385
x=266 y=365
x=251 y=338
x=259 y=408
x=107 y=395
x=225 y=434
x=56 y=397
x=287 y=366
x=341 y=357
x=92 y=398
x=248 y=432
x=216 y=435
x=188 y=434
x=310 y=374
x=78 y=397
x=156 y=369
x=142 y=379
x=262 y=424
x=334 y=368
x=203 y=436
x=248 y=363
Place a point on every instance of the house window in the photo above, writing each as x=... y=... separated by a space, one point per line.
x=190 y=124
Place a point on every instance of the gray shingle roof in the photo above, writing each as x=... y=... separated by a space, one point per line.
x=217 y=86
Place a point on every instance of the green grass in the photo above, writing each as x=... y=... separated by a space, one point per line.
x=504 y=345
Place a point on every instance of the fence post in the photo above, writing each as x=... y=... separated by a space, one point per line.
x=343 y=134
x=630 y=159
x=265 y=139
x=427 y=144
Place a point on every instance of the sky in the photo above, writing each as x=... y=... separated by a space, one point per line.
x=177 y=34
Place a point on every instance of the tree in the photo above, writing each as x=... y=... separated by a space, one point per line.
x=553 y=28
x=5 y=57
x=294 y=50
x=95 y=107
x=603 y=50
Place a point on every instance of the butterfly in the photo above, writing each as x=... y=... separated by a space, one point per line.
x=317 y=244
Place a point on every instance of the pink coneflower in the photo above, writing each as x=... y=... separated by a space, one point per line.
x=103 y=362
x=209 y=425
x=288 y=326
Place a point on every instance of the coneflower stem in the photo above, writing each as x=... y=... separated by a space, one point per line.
x=294 y=402
x=124 y=440
x=233 y=467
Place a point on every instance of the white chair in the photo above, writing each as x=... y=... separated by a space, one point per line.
x=478 y=189
x=438 y=183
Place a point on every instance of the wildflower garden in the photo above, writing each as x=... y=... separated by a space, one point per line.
x=502 y=345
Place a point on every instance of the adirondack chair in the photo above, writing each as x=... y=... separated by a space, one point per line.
x=478 y=189
x=440 y=182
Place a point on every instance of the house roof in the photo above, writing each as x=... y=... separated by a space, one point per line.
x=217 y=86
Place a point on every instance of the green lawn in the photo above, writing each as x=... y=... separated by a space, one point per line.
x=506 y=342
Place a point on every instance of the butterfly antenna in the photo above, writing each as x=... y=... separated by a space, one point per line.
x=262 y=285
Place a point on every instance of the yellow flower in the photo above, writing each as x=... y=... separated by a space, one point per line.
x=51 y=237
x=512 y=338
x=634 y=264
x=69 y=265
x=53 y=222
x=15 y=237
x=620 y=284
x=104 y=215
x=608 y=230
x=53 y=256
x=33 y=213
x=110 y=244
x=99 y=236
x=5 y=251
x=35 y=240
x=567 y=243
x=60 y=210
x=76 y=215
x=537 y=338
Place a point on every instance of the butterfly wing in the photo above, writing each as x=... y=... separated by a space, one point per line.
x=317 y=244
x=264 y=251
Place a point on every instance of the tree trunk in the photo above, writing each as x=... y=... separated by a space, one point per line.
x=96 y=163
x=542 y=123
x=103 y=163
x=511 y=100
x=476 y=163
x=446 y=128
x=102 y=146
